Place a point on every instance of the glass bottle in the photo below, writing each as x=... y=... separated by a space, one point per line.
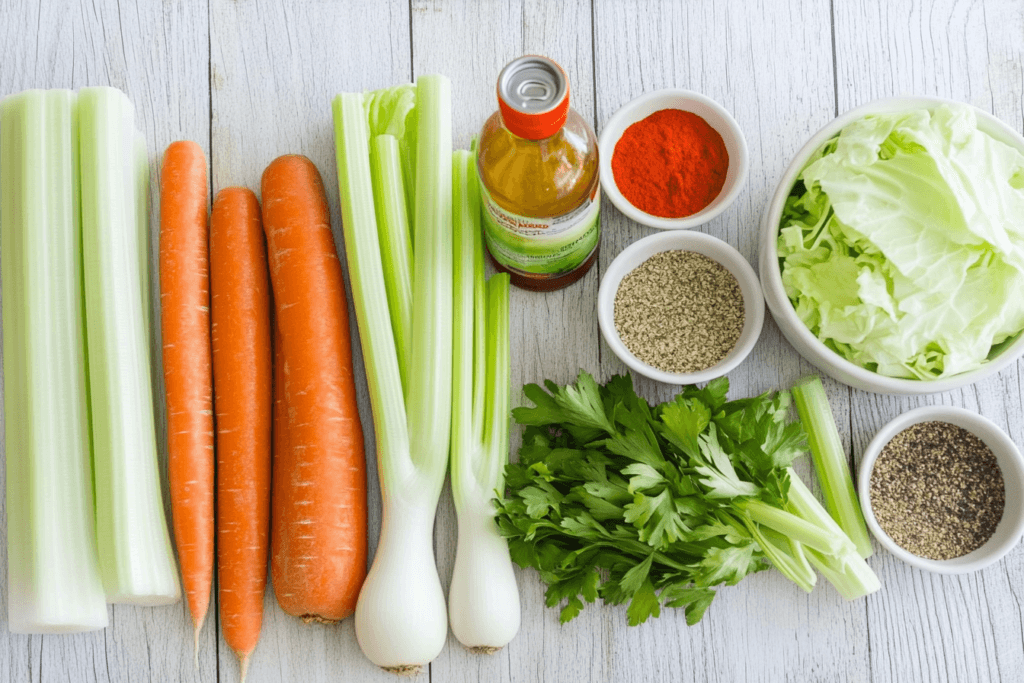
x=538 y=166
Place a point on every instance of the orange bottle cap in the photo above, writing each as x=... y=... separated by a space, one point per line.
x=533 y=97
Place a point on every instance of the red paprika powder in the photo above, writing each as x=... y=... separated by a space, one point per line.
x=671 y=164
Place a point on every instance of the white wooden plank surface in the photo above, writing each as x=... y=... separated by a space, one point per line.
x=780 y=91
x=554 y=334
x=940 y=628
x=275 y=68
x=250 y=80
x=159 y=57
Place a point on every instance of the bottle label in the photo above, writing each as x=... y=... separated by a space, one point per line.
x=545 y=246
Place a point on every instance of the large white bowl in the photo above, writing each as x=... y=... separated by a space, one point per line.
x=715 y=249
x=1011 y=464
x=684 y=100
x=808 y=345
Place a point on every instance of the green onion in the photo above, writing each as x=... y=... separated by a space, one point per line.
x=53 y=569
x=483 y=601
x=136 y=560
x=830 y=461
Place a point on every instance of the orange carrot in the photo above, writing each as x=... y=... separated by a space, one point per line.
x=318 y=515
x=240 y=311
x=185 y=323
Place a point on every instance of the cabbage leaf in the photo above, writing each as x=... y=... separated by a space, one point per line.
x=901 y=244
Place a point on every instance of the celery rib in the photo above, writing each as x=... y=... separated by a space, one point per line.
x=366 y=272
x=830 y=461
x=395 y=243
x=428 y=402
x=136 y=560
x=53 y=568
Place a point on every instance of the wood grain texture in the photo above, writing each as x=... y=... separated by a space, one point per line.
x=770 y=65
x=158 y=56
x=250 y=80
x=924 y=626
x=554 y=334
x=275 y=68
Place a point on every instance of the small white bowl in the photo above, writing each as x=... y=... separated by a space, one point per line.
x=685 y=100
x=802 y=339
x=715 y=249
x=1010 y=527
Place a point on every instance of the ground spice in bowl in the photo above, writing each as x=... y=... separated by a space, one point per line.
x=679 y=311
x=937 y=491
x=671 y=164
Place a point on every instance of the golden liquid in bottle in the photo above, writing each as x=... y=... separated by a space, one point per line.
x=547 y=179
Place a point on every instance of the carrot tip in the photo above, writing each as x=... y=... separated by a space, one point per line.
x=195 y=648
x=243 y=662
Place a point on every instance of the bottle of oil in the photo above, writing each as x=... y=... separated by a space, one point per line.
x=537 y=160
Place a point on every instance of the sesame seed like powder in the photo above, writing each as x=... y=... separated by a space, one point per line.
x=679 y=311
x=937 y=490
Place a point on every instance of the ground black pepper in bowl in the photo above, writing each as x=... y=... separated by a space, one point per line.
x=679 y=311
x=937 y=491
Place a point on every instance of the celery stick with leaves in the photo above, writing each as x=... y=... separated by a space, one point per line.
x=401 y=622
x=654 y=506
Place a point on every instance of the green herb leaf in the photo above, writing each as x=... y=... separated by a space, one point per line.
x=658 y=505
x=645 y=604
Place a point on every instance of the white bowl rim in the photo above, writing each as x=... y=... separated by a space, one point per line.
x=1000 y=444
x=726 y=255
x=771 y=277
x=712 y=210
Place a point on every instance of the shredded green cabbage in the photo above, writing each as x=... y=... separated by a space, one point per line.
x=901 y=244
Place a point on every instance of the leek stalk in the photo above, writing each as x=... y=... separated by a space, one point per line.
x=52 y=564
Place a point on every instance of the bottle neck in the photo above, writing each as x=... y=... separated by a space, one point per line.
x=534 y=125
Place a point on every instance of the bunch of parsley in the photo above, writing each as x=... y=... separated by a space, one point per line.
x=615 y=499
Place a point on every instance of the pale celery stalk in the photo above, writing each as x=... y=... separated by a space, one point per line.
x=401 y=623
x=483 y=600
x=136 y=560
x=395 y=243
x=786 y=555
x=847 y=571
x=140 y=177
x=428 y=401
x=806 y=533
x=54 y=583
x=830 y=461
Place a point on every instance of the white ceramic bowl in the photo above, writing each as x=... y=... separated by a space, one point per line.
x=685 y=100
x=1010 y=528
x=808 y=345
x=715 y=249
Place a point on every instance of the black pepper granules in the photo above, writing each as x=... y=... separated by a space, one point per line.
x=679 y=311
x=937 y=490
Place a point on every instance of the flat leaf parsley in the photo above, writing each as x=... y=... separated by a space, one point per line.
x=659 y=506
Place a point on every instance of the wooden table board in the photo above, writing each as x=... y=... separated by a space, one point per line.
x=250 y=80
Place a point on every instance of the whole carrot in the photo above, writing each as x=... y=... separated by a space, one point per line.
x=318 y=515
x=188 y=380
x=240 y=311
